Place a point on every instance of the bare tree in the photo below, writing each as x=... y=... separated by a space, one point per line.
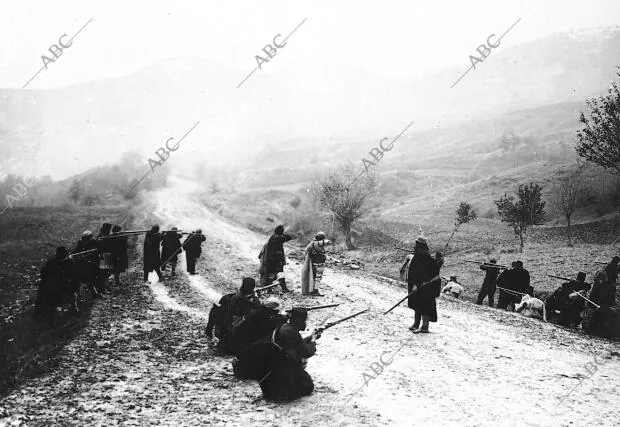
x=345 y=196
x=568 y=196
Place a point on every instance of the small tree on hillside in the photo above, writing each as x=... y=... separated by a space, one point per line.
x=464 y=214
x=529 y=209
x=345 y=197
x=568 y=196
x=599 y=140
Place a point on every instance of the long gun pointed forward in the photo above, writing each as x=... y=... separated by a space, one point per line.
x=560 y=277
x=334 y=323
x=317 y=307
x=264 y=288
x=488 y=264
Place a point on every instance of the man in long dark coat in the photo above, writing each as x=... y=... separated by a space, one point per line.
x=120 y=258
x=86 y=267
x=424 y=275
x=489 y=283
x=507 y=280
x=273 y=259
x=193 y=249
x=55 y=285
x=170 y=249
x=152 y=240
x=106 y=247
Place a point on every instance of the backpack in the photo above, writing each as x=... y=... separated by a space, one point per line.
x=317 y=257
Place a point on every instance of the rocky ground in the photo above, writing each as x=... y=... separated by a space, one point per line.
x=144 y=360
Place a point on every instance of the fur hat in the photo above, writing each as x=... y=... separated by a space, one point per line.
x=493 y=261
x=581 y=276
x=247 y=286
x=87 y=233
x=453 y=277
x=279 y=229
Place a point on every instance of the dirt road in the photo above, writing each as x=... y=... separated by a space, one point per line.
x=144 y=359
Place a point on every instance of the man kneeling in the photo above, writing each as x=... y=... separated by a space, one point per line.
x=278 y=361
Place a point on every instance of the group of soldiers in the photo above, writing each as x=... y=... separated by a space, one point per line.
x=569 y=305
x=266 y=340
x=96 y=259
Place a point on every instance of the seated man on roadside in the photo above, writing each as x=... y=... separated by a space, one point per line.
x=454 y=287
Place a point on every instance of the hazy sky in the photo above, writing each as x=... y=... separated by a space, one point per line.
x=397 y=37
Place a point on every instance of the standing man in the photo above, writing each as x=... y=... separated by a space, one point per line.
x=106 y=247
x=489 y=283
x=152 y=240
x=522 y=280
x=424 y=275
x=87 y=268
x=120 y=259
x=313 y=266
x=170 y=248
x=273 y=259
x=54 y=287
x=193 y=249
x=506 y=283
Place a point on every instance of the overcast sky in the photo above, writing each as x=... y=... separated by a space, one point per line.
x=397 y=37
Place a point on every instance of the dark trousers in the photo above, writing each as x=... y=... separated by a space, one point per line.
x=191 y=263
x=505 y=299
x=487 y=290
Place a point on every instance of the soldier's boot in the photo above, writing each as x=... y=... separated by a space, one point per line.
x=282 y=282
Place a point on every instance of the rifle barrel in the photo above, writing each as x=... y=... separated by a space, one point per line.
x=411 y=293
x=319 y=307
x=560 y=277
x=331 y=324
x=266 y=287
x=83 y=252
x=403 y=249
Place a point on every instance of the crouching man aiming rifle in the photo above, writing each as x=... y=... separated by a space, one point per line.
x=278 y=360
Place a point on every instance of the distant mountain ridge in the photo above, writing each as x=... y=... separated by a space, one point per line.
x=72 y=129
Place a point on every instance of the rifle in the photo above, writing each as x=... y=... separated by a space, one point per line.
x=411 y=293
x=71 y=256
x=403 y=249
x=317 y=307
x=488 y=264
x=264 y=288
x=331 y=324
x=560 y=277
